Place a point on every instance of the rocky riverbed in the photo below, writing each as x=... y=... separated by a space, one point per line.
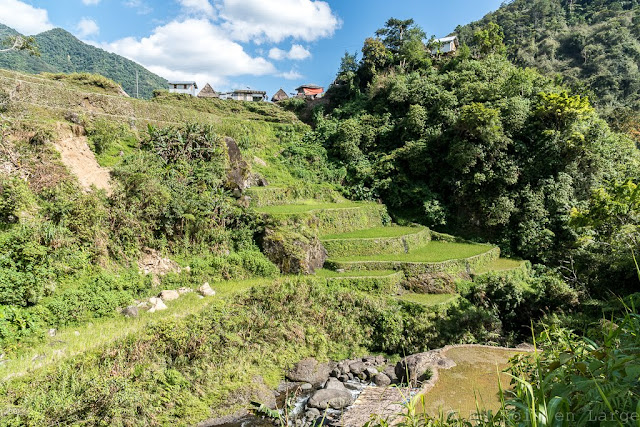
x=320 y=393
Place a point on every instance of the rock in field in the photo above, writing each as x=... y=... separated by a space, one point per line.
x=156 y=305
x=131 y=311
x=206 y=291
x=169 y=295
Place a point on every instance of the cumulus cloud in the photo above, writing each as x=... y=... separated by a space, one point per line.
x=191 y=49
x=198 y=6
x=296 y=53
x=291 y=75
x=87 y=27
x=141 y=7
x=23 y=17
x=90 y=2
x=276 y=20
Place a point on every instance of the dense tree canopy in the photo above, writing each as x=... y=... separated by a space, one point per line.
x=472 y=144
x=593 y=46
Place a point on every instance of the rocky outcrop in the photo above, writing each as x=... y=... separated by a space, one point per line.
x=310 y=371
x=417 y=368
x=239 y=171
x=152 y=262
x=293 y=252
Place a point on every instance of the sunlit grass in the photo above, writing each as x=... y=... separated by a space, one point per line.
x=307 y=206
x=500 y=264
x=431 y=252
x=73 y=340
x=428 y=299
x=377 y=232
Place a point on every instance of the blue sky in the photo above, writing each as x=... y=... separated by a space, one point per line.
x=262 y=44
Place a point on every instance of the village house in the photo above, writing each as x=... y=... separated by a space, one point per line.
x=245 y=95
x=183 y=87
x=208 y=92
x=310 y=91
x=445 y=45
x=280 y=95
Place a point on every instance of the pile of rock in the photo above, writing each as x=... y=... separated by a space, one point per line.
x=333 y=386
x=158 y=303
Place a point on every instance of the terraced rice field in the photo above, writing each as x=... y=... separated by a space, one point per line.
x=432 y=252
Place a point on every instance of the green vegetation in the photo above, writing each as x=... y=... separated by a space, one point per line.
x=371 y=273
x=428 y=299
x=177 y=369
x=61 y=52
x=593 y=46
x=374 y=233
x=511 y=160
x=307 y=206
x=432 y=252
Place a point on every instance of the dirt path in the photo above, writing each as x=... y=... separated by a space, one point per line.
x=78 y=157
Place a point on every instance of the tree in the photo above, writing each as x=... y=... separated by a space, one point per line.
x=490 y=39
x=17 y=43
x=404 y=40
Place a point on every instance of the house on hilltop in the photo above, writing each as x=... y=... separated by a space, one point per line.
x=310 y=91
x=188 y=88
x=208 y=92
x=250 y=95
x=280 y=95
x=445 y=46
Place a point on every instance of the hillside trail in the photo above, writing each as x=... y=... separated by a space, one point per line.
x=76 y=155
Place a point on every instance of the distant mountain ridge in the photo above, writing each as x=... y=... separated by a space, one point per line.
x=61 y=52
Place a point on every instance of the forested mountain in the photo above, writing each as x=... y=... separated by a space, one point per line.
x=61 y=52
x=593 y=46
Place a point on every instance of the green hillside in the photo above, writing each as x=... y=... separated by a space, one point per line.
x=593 y=46
x=61 y=52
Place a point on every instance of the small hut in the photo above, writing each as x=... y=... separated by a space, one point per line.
x=280 y=95
x=208 y=92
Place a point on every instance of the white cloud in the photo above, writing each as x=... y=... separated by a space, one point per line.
x=23 y=17
x=90 y=2
x=193 y=49
x=142 y=7
x=198 y=7
x=87 y=27
x=276 y=20
x=291 y=75
x=297 y=53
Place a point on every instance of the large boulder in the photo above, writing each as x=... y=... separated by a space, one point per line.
x=418 y=368
x=310 y=371
x=381 y=380
x=330 y=398
x=293 y=252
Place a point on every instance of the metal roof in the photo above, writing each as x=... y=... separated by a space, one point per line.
x=309 y=87
x=184 y=83
x=261 y=92
x=447 y=39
